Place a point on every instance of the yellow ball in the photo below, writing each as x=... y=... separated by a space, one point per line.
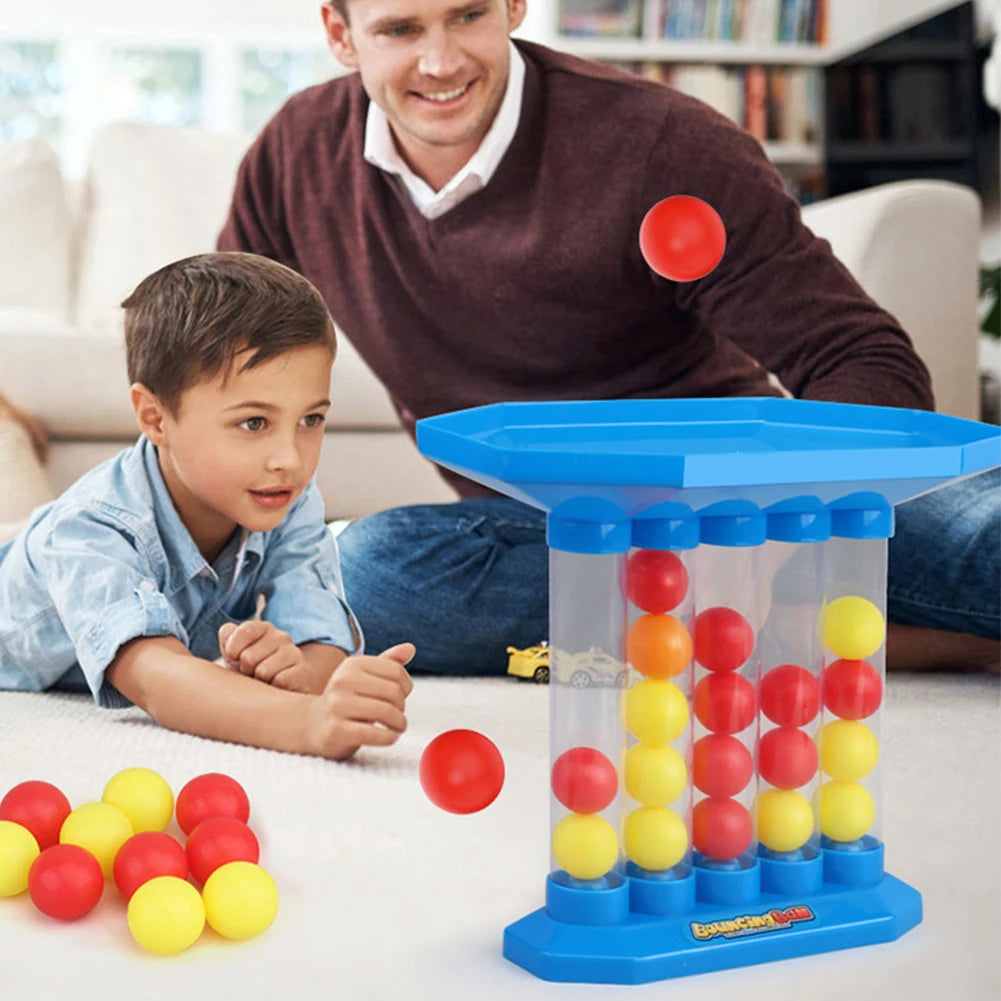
x=785 y=819
x=847 y=810
x=585 y=845
x=656 y=711
x=101 y=828
x=166 y=915
x=853 y=628
x=848 y=749
x=143 y=796
x=655 y=776
x=655 y=838
x=18 y=849
x=241 y=900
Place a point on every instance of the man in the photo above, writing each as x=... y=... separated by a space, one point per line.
x=469 y=208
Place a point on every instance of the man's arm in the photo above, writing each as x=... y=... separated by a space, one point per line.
x=779 y=294
x=185 y=693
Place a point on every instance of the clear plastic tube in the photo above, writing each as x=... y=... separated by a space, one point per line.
x=587 y=744
x=852 y=627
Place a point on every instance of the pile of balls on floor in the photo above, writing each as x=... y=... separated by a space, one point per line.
x=63 y=856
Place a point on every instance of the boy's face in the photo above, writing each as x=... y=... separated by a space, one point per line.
x=243 y=445
x=437 y=68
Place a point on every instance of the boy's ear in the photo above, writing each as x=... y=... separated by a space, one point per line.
x=149 y=413
x=339 y=36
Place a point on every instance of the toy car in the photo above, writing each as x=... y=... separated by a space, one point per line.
x=532 y=662
x=590 y=668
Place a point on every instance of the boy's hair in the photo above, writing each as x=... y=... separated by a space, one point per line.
x=341 y=6
x=187 y=321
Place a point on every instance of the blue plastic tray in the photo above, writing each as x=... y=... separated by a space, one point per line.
x=636 y=453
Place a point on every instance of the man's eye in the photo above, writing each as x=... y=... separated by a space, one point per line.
x=472 y=15
x=399 y=31
x=254 y=424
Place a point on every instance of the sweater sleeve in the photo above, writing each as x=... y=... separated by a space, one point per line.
x=779 y=293
x=256 y=222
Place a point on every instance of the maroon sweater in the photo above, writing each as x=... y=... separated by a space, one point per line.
x=534 y=287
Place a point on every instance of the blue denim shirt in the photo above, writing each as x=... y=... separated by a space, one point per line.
x=110 y=561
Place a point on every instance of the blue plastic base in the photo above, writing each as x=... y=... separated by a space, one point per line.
x=645 y=947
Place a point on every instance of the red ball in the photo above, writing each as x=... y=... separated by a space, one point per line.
x=656 y=580
x=682 y=238
x=852 y=689
x=461 y=771
x=584 y=780
x=721 y=765
x=721 y=828
x=40 y=807
x=210 y=795
x=65 y=882
x=787 y=757
x=144 y=857
x=725 y=703
x=790 y=695
x=723 y=639
x=219 y=840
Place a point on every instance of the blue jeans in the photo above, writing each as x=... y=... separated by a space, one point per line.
x=464 y=581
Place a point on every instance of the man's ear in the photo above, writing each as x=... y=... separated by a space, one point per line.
x=150 y=413
x=516 y=10
x=339 y=36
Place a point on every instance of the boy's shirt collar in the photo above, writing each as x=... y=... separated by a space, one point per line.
x=380 y=149
x=183 y=556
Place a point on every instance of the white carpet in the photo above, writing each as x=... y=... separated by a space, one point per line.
x=386 y=897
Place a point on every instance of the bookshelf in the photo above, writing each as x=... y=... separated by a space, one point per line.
x=906 y=107
x=760 y=62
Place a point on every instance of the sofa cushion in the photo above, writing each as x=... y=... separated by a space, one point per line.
x=154 y=194
x=36 y=229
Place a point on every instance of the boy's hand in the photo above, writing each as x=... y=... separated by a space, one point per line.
x=362 y=704
x=258 y=649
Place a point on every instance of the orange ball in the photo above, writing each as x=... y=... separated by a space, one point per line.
x=659 y=646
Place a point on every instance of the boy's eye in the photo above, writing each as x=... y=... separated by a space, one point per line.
x=254 y=424
x=398 y=31
x=472 y=15
x=313 y=420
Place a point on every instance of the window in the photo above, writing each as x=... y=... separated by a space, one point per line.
x=269 y=76
x=31 y=91
x=160 y=86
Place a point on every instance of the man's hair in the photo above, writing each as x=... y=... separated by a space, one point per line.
x=341 y=6
x=189 y=320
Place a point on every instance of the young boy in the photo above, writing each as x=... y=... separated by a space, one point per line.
x=153 y=564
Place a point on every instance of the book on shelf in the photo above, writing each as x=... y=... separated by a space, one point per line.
x=602 y=18
x=759 y=22
x=774 y=104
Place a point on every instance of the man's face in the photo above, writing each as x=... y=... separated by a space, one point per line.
x=244 y=445
x=437 y=68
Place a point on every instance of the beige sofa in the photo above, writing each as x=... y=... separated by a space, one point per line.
x=70 y=253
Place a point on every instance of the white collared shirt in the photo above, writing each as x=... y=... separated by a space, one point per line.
x=381 y=151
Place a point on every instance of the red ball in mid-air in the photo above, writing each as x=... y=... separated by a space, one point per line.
x=725 y=703
x=584 y=780
x=790 y=695
x=65 y=882
x=721 y=765
x=38 y=806
x=723 y=639
x=787 y=757
x=682 y=238
x=852 y=689
x=656 y=580
x=210 y=795
x=721 y=828
x=461 y=771
x=144 y=857
x=218 y=841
